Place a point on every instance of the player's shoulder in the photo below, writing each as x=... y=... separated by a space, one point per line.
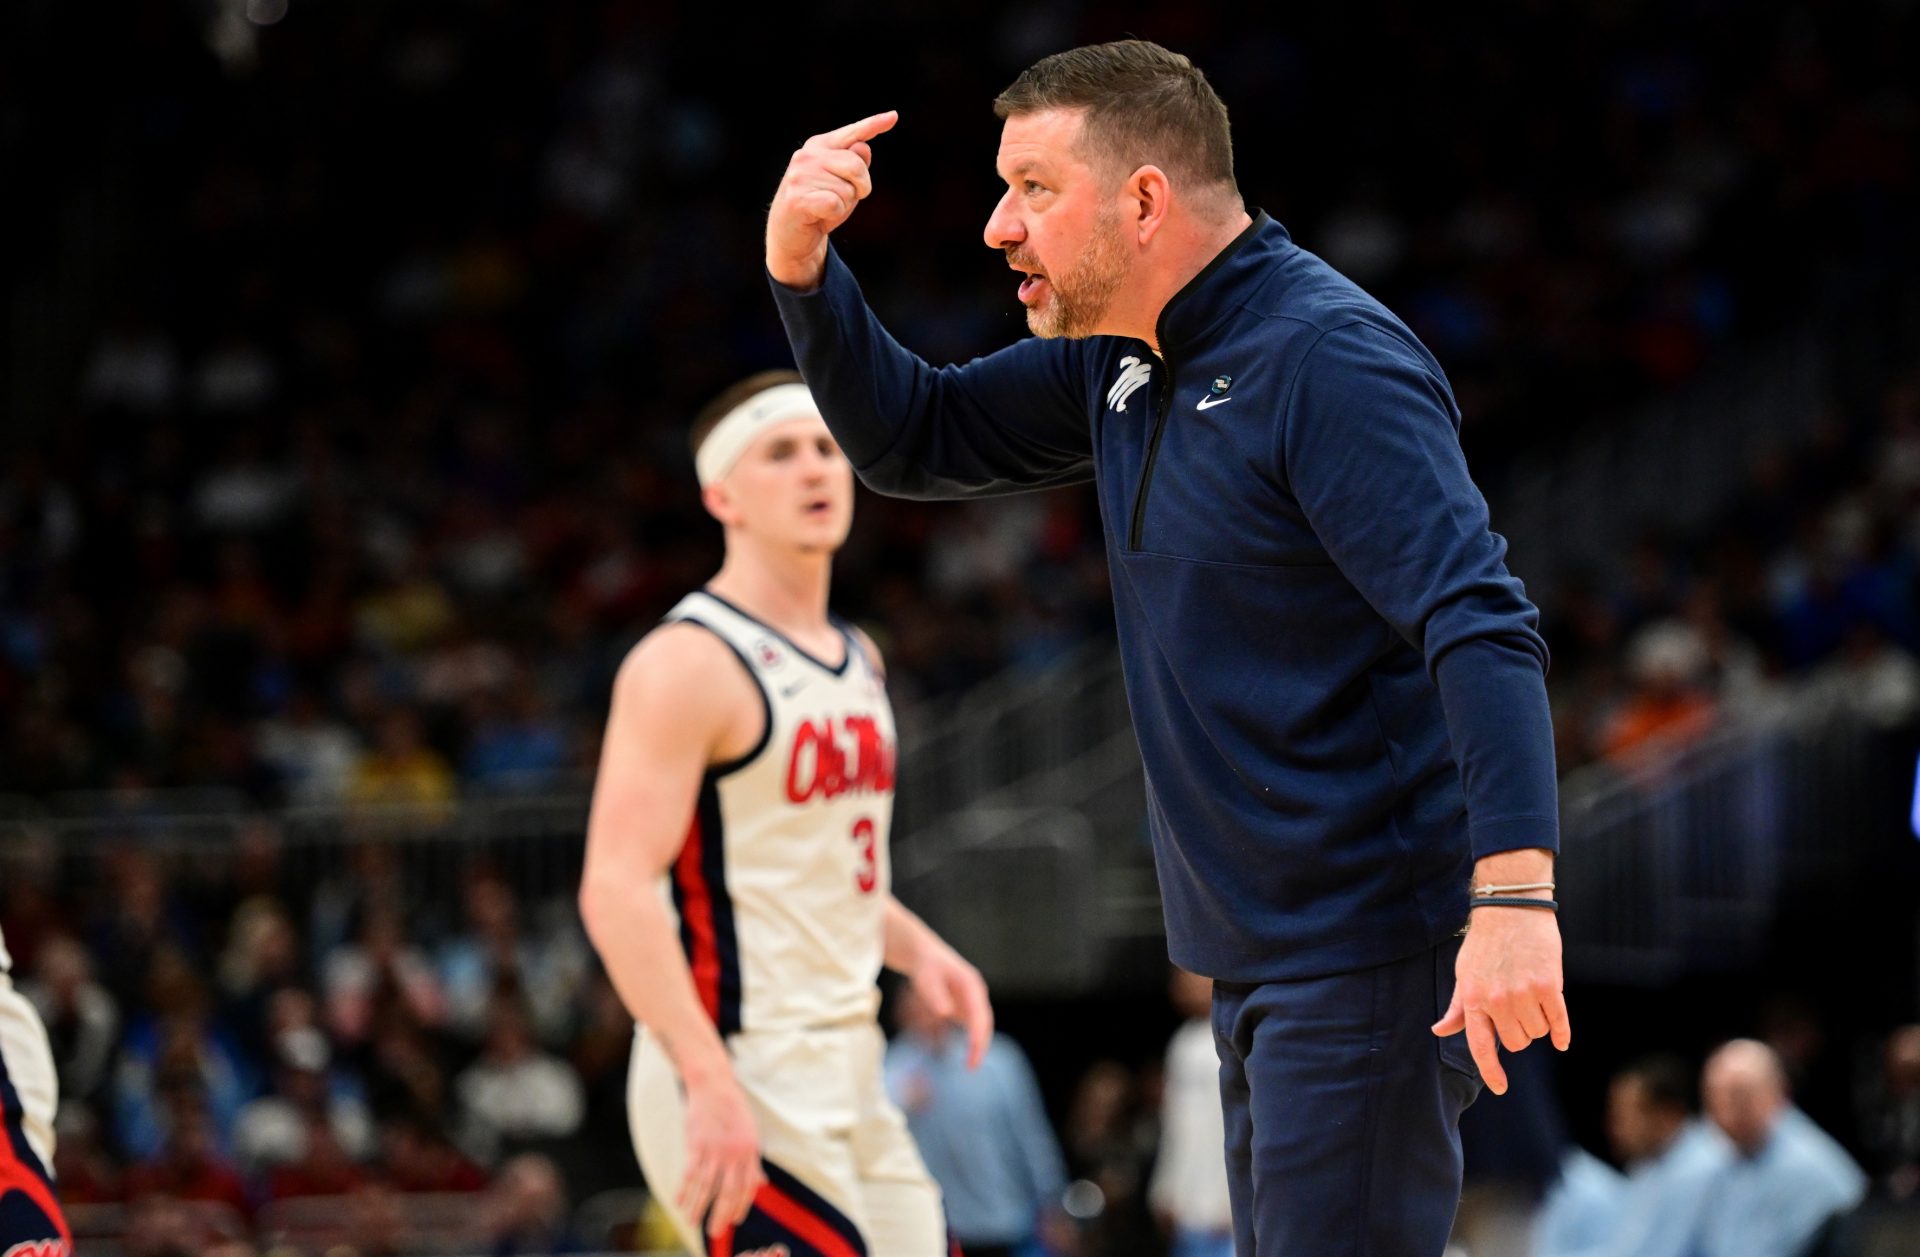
x=864 y=643
x=679 y=658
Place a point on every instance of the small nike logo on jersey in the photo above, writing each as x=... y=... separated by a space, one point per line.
x=788 y=691
x=1208 y=403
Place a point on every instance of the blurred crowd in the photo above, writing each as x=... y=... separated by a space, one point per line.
x=237 y=1036
x=230 y=1032
x=1809 y=580
x=360 y=463
x=1745 y=1173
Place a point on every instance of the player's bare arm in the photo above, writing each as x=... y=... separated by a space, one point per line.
x=952 y=988
x=826 y=179
x=680 y=703
x=1508 y=976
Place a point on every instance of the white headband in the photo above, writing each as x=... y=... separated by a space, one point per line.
x=744 y=423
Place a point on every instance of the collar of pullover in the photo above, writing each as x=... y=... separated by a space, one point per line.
x=1234 y=274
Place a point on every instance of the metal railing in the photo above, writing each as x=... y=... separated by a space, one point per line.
x=1680 y=864
x=1013 y=740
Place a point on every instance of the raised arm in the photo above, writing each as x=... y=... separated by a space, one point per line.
x=680 y=703
x=1011 y=421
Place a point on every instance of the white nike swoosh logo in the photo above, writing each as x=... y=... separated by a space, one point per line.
x=1208 y=403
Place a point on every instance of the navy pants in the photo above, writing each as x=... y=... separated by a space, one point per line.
x=1343 y=1110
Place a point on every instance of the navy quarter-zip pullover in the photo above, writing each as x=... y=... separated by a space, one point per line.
x=1337 y=686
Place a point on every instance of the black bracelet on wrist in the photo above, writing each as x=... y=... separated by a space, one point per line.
x=1509 y=901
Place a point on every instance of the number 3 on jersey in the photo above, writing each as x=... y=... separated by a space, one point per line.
x=869 y=875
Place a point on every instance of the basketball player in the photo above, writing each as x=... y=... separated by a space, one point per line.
x=31 y=1224
x=736 y=880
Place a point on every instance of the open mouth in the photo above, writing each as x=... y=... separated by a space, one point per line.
x=1033 y=285
x=818 y=508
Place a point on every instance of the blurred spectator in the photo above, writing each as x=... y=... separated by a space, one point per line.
x=174 y=1061
x=418 y=1158
x=322 y=1168
x=1672 y=1160
x=188 y=1165
x=1667 y=708
x=262 y=958
x=368 y=878
x=401 y=768
x=1110 y=1140
x=403 y=1071
x=1818 y=1078
x=136 y=923
x=85 y=1172
x=1787 y=1182
x=515 y=1095
x=378 y=970
x=1188 y=1191
x=1891 y=1118
x=82 y=1020
x=526 y=1210
x=495 y=954
x=276 y=1130
x=314 y=754
x=983 y=1133
x=516 y=742
x=1581 y=1210
x=1874 y=677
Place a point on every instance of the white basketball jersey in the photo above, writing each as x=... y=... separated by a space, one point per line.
x=781 y=886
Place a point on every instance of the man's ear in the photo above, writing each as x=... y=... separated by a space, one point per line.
x=1150 y=194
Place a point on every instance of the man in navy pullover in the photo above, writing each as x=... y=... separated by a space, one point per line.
x=1338 y=688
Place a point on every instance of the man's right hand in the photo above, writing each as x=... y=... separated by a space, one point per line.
x=826 y=179
x=723 y=1154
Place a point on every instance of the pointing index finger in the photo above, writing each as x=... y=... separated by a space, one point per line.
x=865 y=129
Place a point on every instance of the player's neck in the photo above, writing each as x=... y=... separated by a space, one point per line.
x=790 y=594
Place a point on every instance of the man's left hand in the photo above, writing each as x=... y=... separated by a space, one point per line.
x=1507 y=988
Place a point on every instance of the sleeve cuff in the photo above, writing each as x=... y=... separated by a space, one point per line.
x=1515 y=833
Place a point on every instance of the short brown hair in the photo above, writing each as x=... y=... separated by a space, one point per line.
x=1145 y=105
x=714 y=411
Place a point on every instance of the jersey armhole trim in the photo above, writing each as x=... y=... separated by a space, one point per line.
x=728 y=767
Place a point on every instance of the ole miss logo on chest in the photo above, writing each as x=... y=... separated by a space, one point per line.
x=831 y=757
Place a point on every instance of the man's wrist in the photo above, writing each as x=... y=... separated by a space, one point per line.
x=799 y=277
x=1526 y=873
